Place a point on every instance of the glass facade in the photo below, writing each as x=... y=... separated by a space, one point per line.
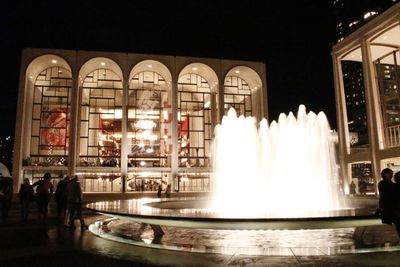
x=237 y=95
x=194 y=121
x=388 y=73
x=353 y=81
x=149 y=121
x=50 y=118
x=130 y=129
x=101 y=119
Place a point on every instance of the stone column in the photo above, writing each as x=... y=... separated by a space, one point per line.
x=74 y=124
x=221 y=110
x=19 y=131
x=373 y=112
x=341 y=119
x=174 y=131
x=124 y=129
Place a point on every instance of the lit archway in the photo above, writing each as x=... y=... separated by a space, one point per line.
x=100 y=113
x=149 y=121
x=49 y=86
x=197 y=106
x=242 y=87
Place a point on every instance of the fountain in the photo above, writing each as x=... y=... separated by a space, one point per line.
x=280 y=179
x=287 y=169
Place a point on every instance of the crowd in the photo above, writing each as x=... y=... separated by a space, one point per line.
x=389 y=201
x=68 y=197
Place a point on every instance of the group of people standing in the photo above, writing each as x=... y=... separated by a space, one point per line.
x=389 y=201
x=68 y=196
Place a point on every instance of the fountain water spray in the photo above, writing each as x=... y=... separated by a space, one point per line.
x=285 y=169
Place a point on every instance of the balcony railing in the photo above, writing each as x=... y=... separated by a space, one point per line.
x=392 y=136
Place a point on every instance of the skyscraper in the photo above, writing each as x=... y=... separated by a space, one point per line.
x=351 y=14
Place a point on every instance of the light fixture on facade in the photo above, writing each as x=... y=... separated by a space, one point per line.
x=149 y=66
x=53 y=61
x=142 y=163
x=194 y=68
x=60 y=71
x=103 y=63
x=384 y=37
x=237 y=71
x=31 y=77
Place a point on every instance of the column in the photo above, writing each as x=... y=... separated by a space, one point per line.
x=19 y=131
x=124 y=139
x=74 y=125
x=174 y=132
x=341 y=120
x=221 y=101
x=373 y=112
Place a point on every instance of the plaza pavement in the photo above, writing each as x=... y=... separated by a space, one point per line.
x=35 y=244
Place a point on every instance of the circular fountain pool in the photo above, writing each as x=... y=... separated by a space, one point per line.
x=192 y=213
x=187 y=226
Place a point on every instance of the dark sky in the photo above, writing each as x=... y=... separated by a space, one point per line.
x=291 y=37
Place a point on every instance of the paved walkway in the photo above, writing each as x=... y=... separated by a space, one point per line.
x=36 y=244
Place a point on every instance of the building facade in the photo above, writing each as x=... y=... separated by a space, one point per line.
x=367 y=81
x=350 y=15
x=127 y=122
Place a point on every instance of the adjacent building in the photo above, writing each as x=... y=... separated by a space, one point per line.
x=367 y=82
x=127 y=122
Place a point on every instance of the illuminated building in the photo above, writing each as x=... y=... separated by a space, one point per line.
x=368 y=98
x=127 y=122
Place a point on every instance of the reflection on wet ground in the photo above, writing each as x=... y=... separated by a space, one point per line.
x=251 y=242
x=196 y=208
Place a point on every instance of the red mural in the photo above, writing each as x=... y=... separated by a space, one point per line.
x=54 y=129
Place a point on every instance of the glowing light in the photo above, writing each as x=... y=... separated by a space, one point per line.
x=149 y=66
x=53 y=61
x=149 y=150
x=289 y=164
x=102 y=63
x=194 y=68
x=237 y=71
x=142 y=163
x=145 y=124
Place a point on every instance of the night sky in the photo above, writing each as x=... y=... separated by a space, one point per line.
x=293 y=39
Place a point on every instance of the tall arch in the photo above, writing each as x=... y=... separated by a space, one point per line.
x=197 y=108
x=242 y=91
x=100 y=131
x=48 y=90
x=149 y=120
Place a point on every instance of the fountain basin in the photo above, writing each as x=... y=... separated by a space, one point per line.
x=191 y=213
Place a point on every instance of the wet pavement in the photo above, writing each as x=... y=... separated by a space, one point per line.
x=36 y=244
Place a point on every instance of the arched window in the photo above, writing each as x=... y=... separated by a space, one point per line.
x=149 y=120
x=194 y=118
x=101 y=119
x=242 y=91
x=237 y=95
x=51 y=117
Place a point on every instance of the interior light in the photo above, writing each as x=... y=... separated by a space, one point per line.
x=60 y=71
x=103 y=63
x=194 y=68
x=53 y=61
